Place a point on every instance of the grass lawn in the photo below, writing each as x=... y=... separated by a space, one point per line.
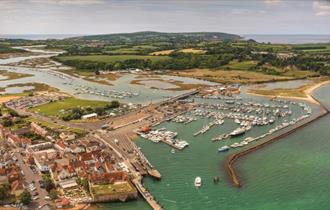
x=111 y=58
x=54 y=108
x=122 y=187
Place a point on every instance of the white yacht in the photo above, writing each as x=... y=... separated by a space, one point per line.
x=198 y=182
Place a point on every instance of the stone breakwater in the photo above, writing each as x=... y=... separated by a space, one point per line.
x=230 y=162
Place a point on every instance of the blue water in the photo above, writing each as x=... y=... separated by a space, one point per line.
x=38 y=36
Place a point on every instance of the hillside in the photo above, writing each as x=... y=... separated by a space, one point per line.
x=150 y=36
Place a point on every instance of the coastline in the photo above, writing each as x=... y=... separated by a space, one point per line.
x=308 y=92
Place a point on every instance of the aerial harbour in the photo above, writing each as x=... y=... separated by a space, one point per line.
x=164 y=105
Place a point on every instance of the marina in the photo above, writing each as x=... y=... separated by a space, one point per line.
x=223 y=124
x=300 y=111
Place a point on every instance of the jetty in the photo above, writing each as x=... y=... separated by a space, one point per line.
x=146 y=194
x=230 y=162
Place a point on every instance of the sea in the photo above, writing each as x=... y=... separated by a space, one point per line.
x=289 y=174
x=288 y=39
x=38 y=36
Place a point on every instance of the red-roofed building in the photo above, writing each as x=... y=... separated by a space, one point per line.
x=108 y=178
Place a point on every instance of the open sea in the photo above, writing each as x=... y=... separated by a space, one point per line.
x=38 y=36
x=288 y=39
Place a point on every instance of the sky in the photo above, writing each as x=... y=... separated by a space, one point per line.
x=116 y=16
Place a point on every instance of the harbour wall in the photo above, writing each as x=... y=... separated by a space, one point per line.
x=230 y=162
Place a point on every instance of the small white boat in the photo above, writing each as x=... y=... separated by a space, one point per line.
x=172 y=151
x=198 y=182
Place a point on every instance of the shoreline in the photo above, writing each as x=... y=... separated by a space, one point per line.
x=308 y=93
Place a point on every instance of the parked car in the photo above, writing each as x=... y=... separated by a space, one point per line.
x=42 y=184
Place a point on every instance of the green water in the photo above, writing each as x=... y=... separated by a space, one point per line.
x=289 y=174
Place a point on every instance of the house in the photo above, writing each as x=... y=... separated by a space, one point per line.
x=44 y=159
x=3 y=180
x=17 y=187
x=62 y=203
x=39 y=147
x=13 y=173
x=38 y=129
x=18 y=141
x=99 y=167
x=108 y=167
x=67 y=136
x=61 y=146
x=62 y=170
x=76 y=149
x=90 y=145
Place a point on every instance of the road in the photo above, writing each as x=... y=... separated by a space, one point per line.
x=29 y=177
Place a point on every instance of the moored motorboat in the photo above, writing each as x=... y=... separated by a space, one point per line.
x=223 y=148
x=198 y=182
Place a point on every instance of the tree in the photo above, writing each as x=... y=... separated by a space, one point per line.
x=49 y=185
x=84 y=183
x=25 y=197
x=7 y=122
x=53 y=194
x=5 y=191
x=115 y=104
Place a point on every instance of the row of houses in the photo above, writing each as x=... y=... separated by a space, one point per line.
x=69 y=160
x=10 y=172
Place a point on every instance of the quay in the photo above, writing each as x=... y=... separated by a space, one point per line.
x=229 y=163
x=137 y=177
x=146 y=194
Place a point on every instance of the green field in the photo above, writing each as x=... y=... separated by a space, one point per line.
x=112 y=58
x=263 y=46
x=55 y=108
x=243 y=66
x=313 y=48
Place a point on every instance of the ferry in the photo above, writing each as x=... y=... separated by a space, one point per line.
x=198 y=182
x=223 y=148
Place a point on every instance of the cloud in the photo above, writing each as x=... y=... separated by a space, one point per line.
x=273 y=2
x=321 y=8
x=69 y=2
